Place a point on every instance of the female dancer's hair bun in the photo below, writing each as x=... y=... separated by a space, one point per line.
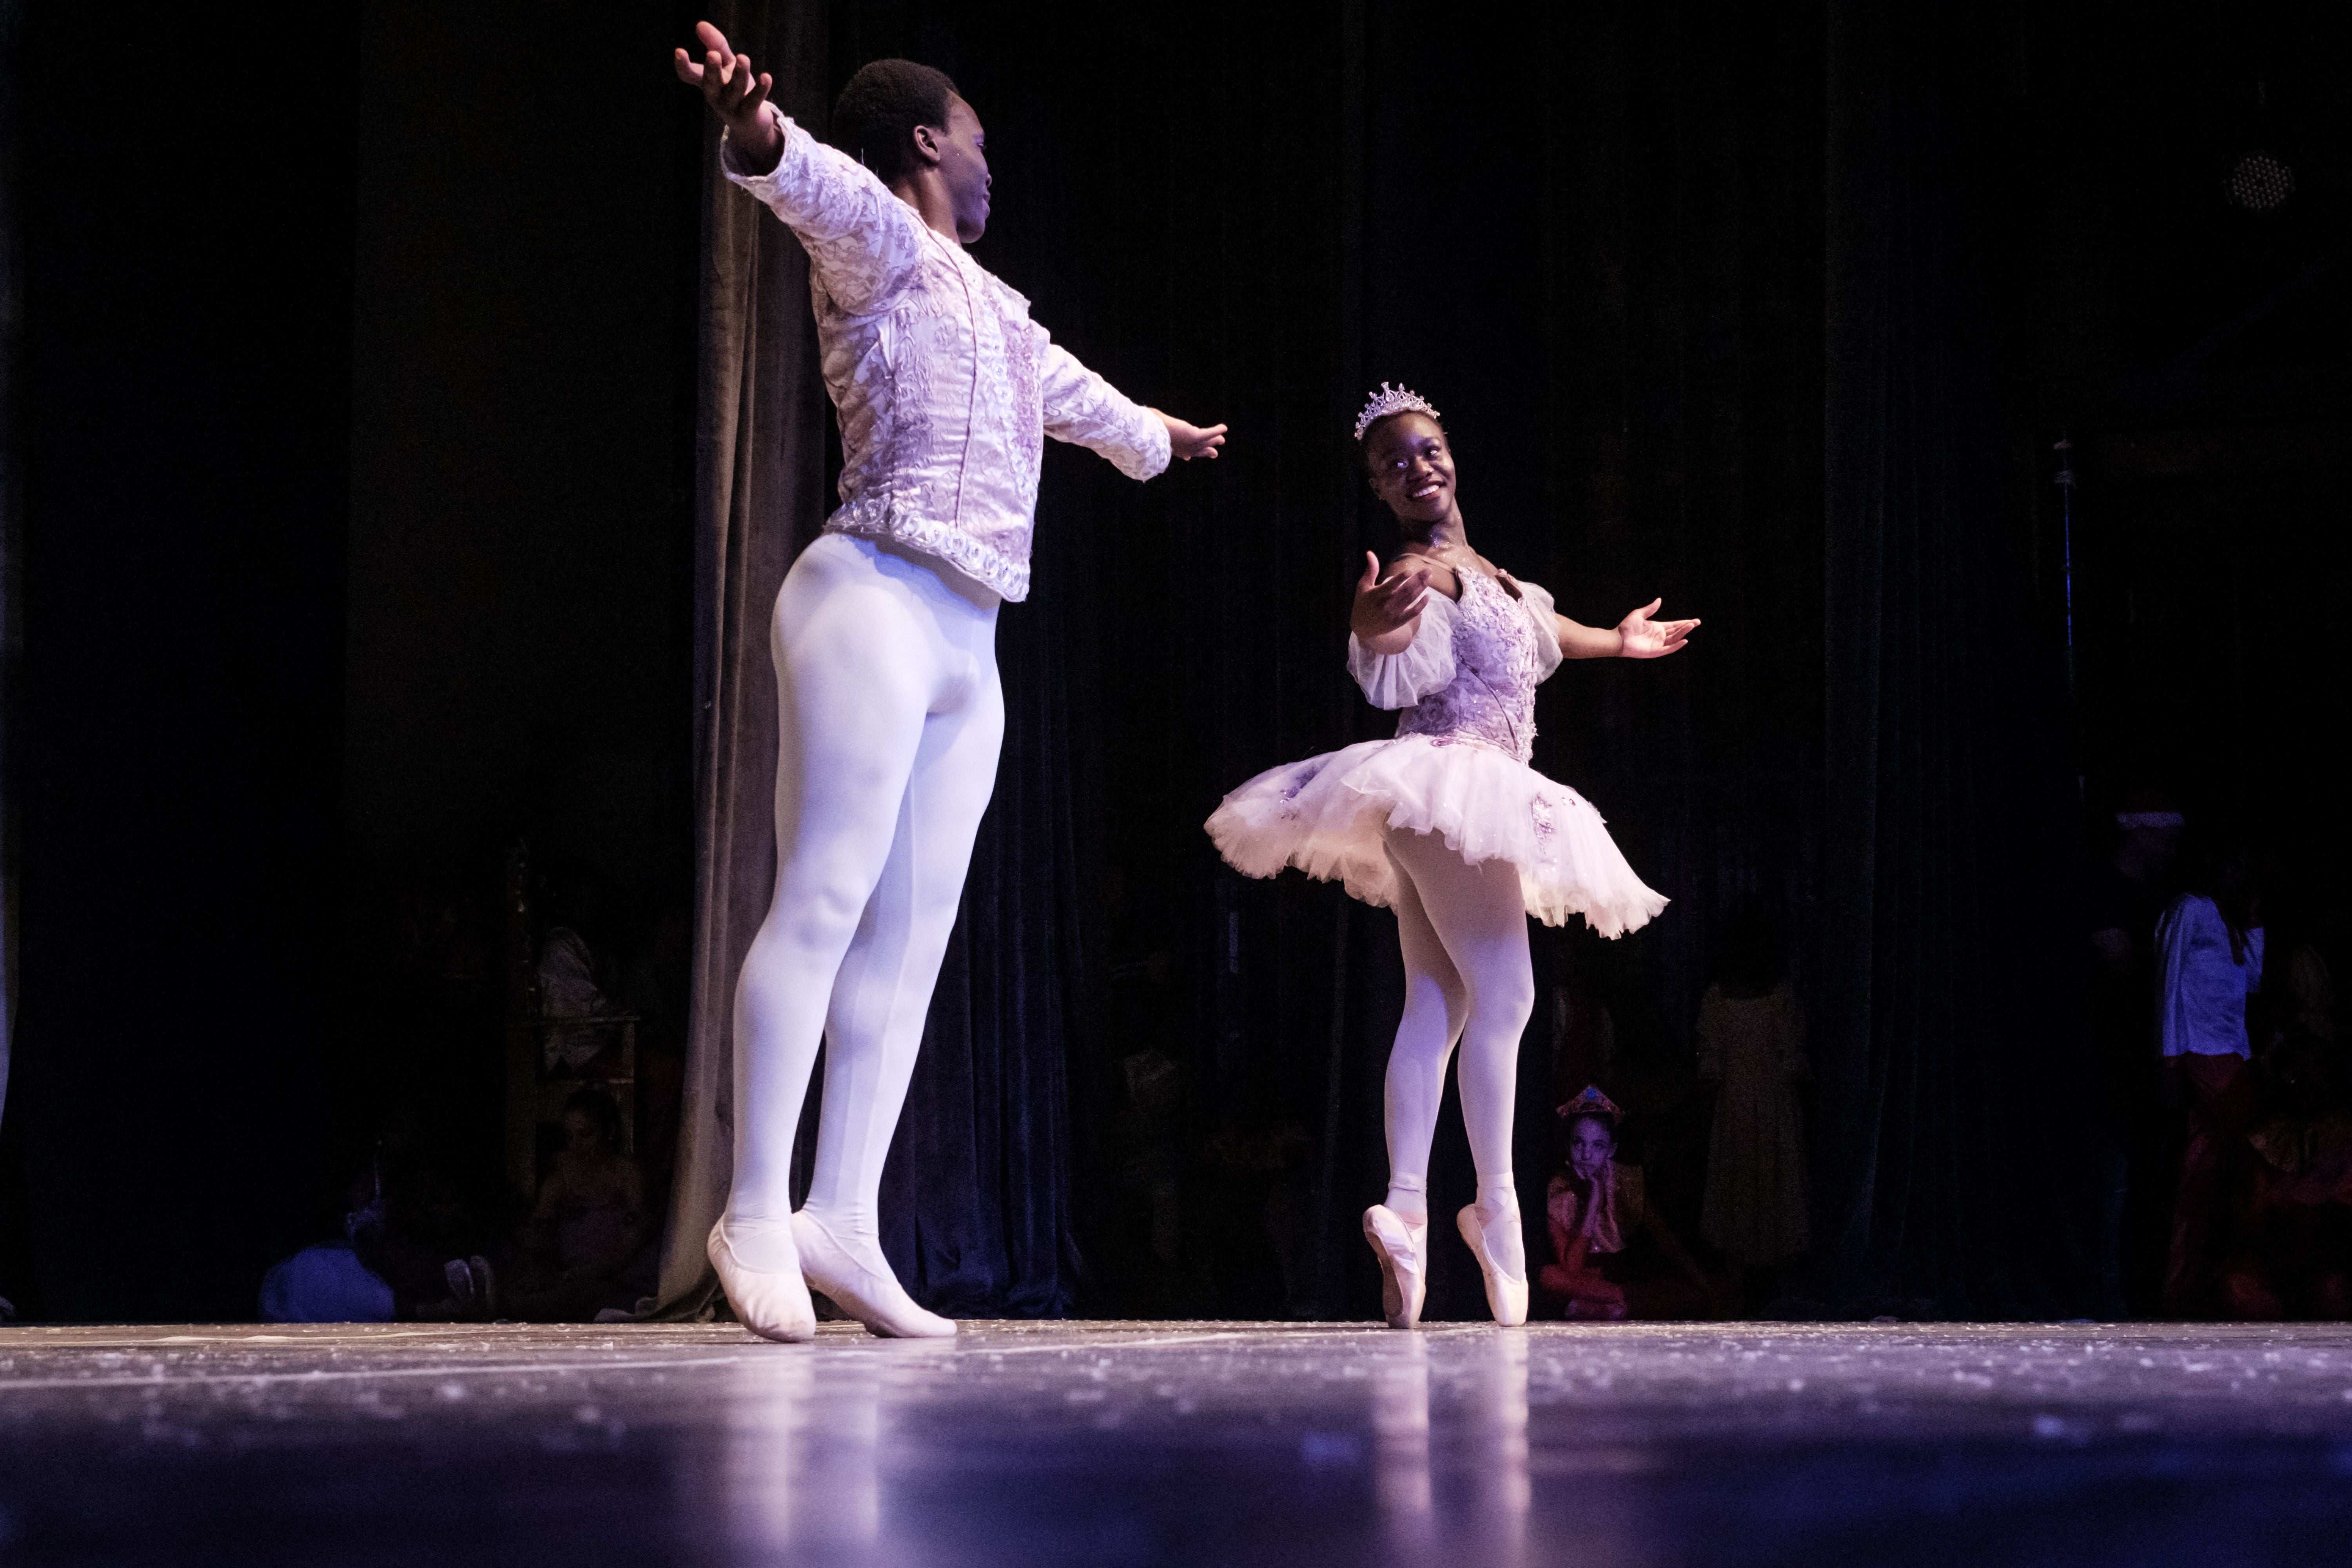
x=1391 y=400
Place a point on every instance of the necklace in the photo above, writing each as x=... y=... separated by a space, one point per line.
x=1477 y=563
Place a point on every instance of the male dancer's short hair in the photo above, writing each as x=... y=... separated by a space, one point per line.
x=874 y=119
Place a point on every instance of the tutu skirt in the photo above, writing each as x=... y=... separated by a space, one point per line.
x=1331 y=816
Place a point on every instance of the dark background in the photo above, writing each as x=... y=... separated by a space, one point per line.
x=354 y=396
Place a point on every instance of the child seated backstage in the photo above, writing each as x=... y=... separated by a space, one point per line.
x=1613 y=1255
x=589 y=1248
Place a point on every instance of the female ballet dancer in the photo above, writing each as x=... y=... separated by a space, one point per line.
x=884 y=639
x=1449 y=826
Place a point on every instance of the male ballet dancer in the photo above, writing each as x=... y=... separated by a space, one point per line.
x=884 y=639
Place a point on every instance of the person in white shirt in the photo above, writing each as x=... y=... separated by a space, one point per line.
x=884 y=639
x=2209 y=947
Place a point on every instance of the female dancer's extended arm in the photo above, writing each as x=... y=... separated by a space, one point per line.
x=1387 y=610
x=1635 y=636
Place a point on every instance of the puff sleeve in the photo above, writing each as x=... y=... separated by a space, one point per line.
x=1536 y=600
x=1426 y=663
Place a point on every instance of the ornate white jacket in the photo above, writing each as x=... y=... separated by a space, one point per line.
x=944 y=386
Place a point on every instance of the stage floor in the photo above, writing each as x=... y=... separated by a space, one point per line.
x=1177 y=1443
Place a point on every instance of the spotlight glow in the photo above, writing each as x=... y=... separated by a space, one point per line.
x=2259 y=182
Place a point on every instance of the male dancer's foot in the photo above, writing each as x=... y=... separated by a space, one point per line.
x=1492 y=1227
x=853 y=1271
x=1403 y=1248
x=759 y=1268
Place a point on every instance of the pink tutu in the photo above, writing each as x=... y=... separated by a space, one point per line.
x=1331 y=816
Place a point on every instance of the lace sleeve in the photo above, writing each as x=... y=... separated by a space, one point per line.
x=1084 y=408
x=863 y=242
x=1536 y=600
x=1426 y=665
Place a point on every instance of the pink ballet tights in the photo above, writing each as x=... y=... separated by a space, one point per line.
x=1463 y=930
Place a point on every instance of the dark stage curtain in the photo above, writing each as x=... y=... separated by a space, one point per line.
x=1950 y=1152
x=975 y=1194
x=11 y=575
x=184 y=481
x=758 y=497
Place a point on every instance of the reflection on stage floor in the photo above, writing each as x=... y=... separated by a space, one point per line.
x=1177 y=1443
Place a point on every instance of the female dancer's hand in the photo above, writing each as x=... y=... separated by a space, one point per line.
x=1639 y=636
x=1387 y=611
x=737 y=96
x=1189 y=441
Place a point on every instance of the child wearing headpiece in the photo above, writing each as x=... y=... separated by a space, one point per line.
x=1613 y=1255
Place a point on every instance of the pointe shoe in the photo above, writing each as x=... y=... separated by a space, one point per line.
x=876 y=1301
x=1507 y=1297
x=773 y=1304
x=1403 y=1250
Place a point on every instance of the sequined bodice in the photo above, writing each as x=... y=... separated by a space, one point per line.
x=1492 y=697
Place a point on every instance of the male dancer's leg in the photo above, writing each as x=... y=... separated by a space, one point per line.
x=858 y=668
x=883 y=991
x=1480 y=920
x=1436 y=1004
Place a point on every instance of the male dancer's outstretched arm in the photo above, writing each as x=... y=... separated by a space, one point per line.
x=948 y=191
x=737 y=96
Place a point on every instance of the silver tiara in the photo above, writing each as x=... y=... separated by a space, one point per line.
x=1391 y=400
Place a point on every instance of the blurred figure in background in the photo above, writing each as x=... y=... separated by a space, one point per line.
x=588 y=1249
x=2209 y=965
x=2298 y=994
x=2290 y=1241
x=1751 y=1044
x=406 y=1250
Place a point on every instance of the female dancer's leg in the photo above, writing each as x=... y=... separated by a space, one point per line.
x=1464 y=934
x=1436 y=1005
x=891 y=715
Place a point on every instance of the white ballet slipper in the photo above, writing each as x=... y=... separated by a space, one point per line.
x=875 y=1298
x=1403 y=1251
x=773 y=1304
x=1507 y=1297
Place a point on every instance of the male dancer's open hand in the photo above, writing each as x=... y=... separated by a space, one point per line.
x=737 y=95
x=1189 y=441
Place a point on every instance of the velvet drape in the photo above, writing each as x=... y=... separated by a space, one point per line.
x=1950 y=1155
x=759 y=497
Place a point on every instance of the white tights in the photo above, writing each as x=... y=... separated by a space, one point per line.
x=1464 y=929
x=891 y=717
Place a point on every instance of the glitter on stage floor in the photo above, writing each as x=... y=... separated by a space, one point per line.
x=1177 y=1443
